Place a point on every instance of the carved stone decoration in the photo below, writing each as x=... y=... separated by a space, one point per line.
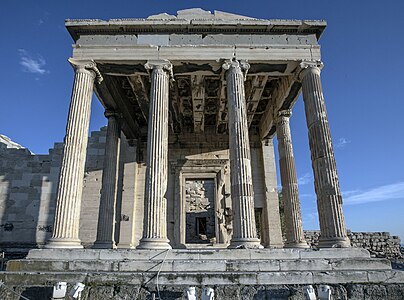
x=293 y=218
x=70 y=188
x=329 y=198
x=155 y=209
x=106 y=217
x=244 y=232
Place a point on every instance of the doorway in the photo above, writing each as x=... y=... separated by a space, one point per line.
x=200 y=210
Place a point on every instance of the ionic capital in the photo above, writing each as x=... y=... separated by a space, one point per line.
x=241 y=66
x=310 y=66
x=86 y=66
x=112 y=113
x=287 y=113
x=162 y=65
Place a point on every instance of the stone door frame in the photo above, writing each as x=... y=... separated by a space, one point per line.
x=195 y=169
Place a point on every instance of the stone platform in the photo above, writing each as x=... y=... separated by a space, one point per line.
x=234 y=274
x=201 y=267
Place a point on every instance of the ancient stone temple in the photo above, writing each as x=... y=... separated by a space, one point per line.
x=198 y=97
x=184 y=185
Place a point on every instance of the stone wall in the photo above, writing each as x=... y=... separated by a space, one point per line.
x=28 y=185
x=379 y=244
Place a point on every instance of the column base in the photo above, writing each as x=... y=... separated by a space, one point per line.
x=104 y=245
x=301 y=245
x=125 y=246
x=274 y=246
x=150 y=243
x=60 y=243
x=247 y=243
x=338 y=242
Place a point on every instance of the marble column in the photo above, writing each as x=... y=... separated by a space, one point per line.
x=155 y=208
x=329 y=199
x=244 y=229
x=68 y=201
x=106 y=216
x=290 y=194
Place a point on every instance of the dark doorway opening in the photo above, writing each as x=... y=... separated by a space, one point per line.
x=200 y=210
x=200 y=226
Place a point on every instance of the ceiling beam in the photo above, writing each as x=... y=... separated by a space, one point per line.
x=198 y=102
x=222 y=116
x=281 y=92
x=174 y=109
x=141 y=95
x=257 y=87
x=113 y=91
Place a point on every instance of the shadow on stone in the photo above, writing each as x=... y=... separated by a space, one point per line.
x=167 y=295
x=37 y=293
x=273 y=294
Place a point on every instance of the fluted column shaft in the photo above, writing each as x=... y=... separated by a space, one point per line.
x=293 y=218
x=70 y=188
x=155 y=209
x=106 y=217
x=244 y=229
x=329 y=198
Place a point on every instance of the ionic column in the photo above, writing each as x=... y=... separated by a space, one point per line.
x=329 y=199
x=244 y=230
x=293 y=218
x=68 y=200
x=106 y=217
x=155 y=209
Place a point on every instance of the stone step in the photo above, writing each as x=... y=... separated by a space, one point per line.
x=202 y=279
x=206 y=266
x=195 y=254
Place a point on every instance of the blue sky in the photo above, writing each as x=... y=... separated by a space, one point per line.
x=362 y=49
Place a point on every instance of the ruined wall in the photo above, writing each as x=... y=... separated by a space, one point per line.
x=28 y=185
x=379 y=244
x=27 y=194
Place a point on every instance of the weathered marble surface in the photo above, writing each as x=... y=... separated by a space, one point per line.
x=155 y=210
x=329 y=197
x=68 y=202
x=293 y=218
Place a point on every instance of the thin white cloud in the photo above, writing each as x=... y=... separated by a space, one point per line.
x=305 y=179
x=311 y=216
x=342 y=142
x=307 y=196
x=32 y=65
x=381 y=193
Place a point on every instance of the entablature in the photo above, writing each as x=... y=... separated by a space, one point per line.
x=196 y=43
